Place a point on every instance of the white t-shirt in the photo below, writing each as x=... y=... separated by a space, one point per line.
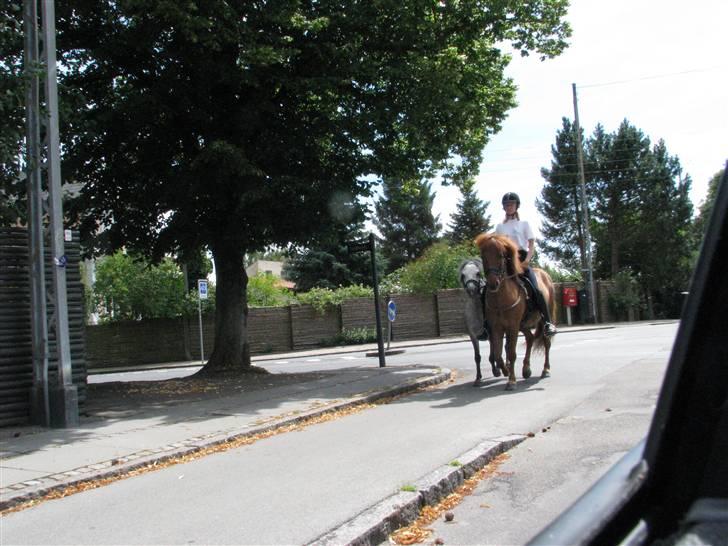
x=518 y=230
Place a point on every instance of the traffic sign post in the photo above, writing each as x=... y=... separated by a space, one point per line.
x=202 y=294
x=363 y=245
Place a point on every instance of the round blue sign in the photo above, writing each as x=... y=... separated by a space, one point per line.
x=391 y=310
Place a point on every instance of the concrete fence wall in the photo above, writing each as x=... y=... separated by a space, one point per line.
x=298 y=327
x=16 y=350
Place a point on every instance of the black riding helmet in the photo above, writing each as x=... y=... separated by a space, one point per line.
x=510 y=196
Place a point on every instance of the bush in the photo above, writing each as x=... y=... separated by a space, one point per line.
x=437 y=269
x=264 y=291
x=352 y=336
x=130 y=288
x=626 y=293
x=321 y=298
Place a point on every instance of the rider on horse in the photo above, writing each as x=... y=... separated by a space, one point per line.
x=519 y=231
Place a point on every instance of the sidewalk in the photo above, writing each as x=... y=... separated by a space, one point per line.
x=160 y=422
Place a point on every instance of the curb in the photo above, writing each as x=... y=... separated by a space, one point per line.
x=121 y=466
x=374 y=525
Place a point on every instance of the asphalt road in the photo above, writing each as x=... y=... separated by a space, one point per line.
x=293 y=488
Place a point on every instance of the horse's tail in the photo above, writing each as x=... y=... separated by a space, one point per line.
x=538 y=341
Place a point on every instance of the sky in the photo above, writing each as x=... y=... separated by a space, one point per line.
x=661 y=64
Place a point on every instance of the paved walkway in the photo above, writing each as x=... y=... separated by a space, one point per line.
x=117 y=436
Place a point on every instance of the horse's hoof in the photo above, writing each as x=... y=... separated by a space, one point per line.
x=510 y=386
x=496 y=372
x=477 y=383
x=526 y=373
x=545 y=373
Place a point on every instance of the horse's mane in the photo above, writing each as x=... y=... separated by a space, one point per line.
x=504 y=246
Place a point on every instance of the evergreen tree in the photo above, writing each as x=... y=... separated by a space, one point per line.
x=619 y=163
x=405 y=221
x=470 y=218
x=706 y=207
x=640 y=211
x=560 y=203
x=662 y=243
x=327 y=263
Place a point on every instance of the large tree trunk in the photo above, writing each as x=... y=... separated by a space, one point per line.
x=231 y=353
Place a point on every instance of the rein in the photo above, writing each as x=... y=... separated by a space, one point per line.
x=498 y=271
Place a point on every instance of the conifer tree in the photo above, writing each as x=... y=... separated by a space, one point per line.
x=560 y=203
x=639 y=208
x=405 y=221
x=470 y=218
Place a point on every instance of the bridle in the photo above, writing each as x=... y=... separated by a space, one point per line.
x=501 y=275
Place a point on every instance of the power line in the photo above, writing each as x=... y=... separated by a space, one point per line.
x=654 y=77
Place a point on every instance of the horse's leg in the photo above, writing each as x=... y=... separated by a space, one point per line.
x=494 y=366
x=511 y=340
x=546 y=365
x=496 y=351
x=526 y=371
x=476 y=351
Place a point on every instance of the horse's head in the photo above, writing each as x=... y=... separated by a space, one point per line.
x=470 y=277
x=500 y=258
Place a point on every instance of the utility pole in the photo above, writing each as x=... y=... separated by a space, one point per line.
x=56 y=405
x=584 y=214
x=39 y=403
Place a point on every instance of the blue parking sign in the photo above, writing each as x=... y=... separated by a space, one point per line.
x=202 y=288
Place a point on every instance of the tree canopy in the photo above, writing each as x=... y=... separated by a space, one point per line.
x=234 y=125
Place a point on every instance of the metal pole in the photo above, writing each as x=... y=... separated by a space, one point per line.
x=40 y=408
x=67 y=395
x=377 y=312
x=584 y=211
x=199 y=316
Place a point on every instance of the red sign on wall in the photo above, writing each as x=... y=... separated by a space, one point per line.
x=569 y=298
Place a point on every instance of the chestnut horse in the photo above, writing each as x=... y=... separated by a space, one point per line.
x=506 y=305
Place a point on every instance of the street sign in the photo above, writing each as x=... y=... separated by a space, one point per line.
x=359 y=246
x=391 y=311
x=202 y=288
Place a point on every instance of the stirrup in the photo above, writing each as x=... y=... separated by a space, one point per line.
x=549 y=330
